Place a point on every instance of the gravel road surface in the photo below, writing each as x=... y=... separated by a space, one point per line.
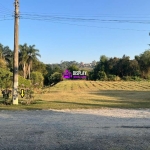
x=103 y=129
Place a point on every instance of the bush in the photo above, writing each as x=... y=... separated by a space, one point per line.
x=24 y=82
x=127 y=78
x=55 y=78
x=102 y=76
x=136 y=78
x=132 y=78
x=113 y=78
x=117 y=78
x=37 y=78
x=5 y=78
x=3 y=64
x=148 y=77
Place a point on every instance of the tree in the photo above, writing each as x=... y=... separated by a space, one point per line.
x=39 y=66
x=102 y=75
x=32 y=56
x=144 y=63
x=112 y=66
x=23 y=57
x=134 y=69
x=104 y=64
x=49 y=73
x=123 y=66
x=72 y=68
x=27 y=55
x=56 y=68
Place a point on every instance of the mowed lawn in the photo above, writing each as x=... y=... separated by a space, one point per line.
x=81 y=94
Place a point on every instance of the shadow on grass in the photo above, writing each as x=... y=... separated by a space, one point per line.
x=135 y=99
x=123 y=99
x=72 y=105
x=124 y=95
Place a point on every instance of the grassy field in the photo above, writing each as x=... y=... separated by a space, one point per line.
x=90 y=95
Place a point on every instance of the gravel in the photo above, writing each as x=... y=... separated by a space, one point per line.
x=101 y=129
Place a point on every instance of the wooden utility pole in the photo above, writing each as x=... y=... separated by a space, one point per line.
x=16 y=47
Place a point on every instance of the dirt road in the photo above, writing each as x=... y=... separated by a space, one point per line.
x=104 y=129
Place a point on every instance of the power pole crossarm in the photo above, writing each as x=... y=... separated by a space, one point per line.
x=16 y=47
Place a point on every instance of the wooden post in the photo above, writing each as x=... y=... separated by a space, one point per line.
x=16 y=47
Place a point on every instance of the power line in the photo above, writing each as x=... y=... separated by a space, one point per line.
x=81 y=16
x=44 y=17
x=6 y=14
x=89 y=15
x=6 y=19
x=50 y=18
x=73 y=20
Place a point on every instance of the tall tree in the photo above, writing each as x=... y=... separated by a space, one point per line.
x=23 y=57
x=144 y=63
x=39 y=67
x=32 y=55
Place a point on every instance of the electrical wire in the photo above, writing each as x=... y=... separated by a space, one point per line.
x=50 y=18
x=46 y=17
x=85 y=16
x=5 y=19
x=7 y=14
x=97 y=15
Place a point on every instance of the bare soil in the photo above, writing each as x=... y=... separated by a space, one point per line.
x=101 y=129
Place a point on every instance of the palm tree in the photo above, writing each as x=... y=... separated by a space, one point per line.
x=32 y=56
x=23 y=57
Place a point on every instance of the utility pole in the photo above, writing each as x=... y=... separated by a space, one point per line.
x=16 y=47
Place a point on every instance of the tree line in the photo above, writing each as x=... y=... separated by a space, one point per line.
x=122 y=68
x=33 y=70
x=30 y=67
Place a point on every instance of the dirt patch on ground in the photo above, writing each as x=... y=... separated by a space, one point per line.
x=102 y=129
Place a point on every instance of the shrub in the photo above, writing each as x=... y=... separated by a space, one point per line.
x=37 y=78
x=24 y=82
x=102 y=76
x=3 y=64
x=111 y=77
x=127 y=78
x=5 y=78
x=117 y=78
x=148 y=77
x=55 y=77
x=136 y=78
x=132 y=78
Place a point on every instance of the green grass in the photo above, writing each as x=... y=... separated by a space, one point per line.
x=90 y=95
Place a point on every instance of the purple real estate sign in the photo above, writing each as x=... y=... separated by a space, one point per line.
x=76 y=75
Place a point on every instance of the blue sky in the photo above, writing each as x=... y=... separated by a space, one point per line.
x=79 y=40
